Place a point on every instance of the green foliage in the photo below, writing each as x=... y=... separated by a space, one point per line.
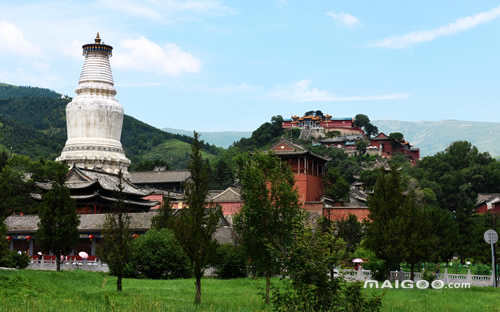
x=115 y=247
x=148 y=164
x=230 y=261
x=158 y=255
x=165 y=216
x=195 y=225
x=223 y=175
x=312 y=286
x=269 y=214
x=263 y=136
x=456 y=176
x=58 y=226
x=351 y=231
x=384 y=233
x=14 y=260
x=335 y=186
x=396 y=136
x=362 y=121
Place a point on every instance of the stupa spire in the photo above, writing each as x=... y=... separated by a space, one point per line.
x=94 y=118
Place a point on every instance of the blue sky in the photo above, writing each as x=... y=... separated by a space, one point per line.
x=231 y=65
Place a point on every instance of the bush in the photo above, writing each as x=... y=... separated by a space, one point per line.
x=158 y=255
x=230 y=262
x=14 y=260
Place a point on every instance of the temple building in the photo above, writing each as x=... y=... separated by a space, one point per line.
x=95 y=156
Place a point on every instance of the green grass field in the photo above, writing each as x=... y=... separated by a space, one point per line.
x=85 y=291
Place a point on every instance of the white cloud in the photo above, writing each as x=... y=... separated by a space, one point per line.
x=344 y=18
x=460 y=25
x=13 y=41
x=302 y=91
x=167 y=10
x=147 y=56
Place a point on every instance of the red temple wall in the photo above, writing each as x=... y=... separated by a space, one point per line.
x=343 y=213
x=309 y=188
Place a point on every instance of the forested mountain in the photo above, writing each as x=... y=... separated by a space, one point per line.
x=33 y=123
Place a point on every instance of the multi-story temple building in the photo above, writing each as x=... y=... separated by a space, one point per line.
x=94 y=153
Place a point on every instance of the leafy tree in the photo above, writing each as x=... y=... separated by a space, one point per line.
x=223 y=175
x=420 y=240
x=262 y=136
x=385 y=232
x=58 y=226
x=230 y=261
x=351 y=231
x=361 y=120
x=456 y=176
x=149 y=164
x=396 y=136
x=158 y=255
x=115 y=248
x=164 y=218
x=335 y=186
x=195 y=225
x=311 y=286
x=269 y=214
x=371 y=130
x=361 y=147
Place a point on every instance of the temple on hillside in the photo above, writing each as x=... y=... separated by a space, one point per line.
x=343 y=134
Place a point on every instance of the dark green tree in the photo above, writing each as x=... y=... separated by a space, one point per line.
x=396 y=136
x=223 y=175
x=385 y=233
x=164 y=218
x=361 y=147
x=351 y=231
x=158 y=255
x=195 y=225
x=335 y=186
x=58 y=226
x=116 y=245
x=270 y=212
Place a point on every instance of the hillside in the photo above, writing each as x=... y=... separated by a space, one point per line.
x=217 y=138
x=33 y=123
x=434 y=136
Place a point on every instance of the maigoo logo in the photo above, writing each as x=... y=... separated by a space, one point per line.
x=409 y=284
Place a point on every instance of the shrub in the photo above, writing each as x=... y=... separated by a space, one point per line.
x=230 y=262
x=158 y=255
x=14 y=260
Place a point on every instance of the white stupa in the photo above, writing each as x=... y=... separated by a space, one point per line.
x=94 y=118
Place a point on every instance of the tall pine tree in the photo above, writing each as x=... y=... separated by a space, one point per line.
x=115 y=248
x=195 y=225
x=58 y=226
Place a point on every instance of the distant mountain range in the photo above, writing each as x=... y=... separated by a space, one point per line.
x=217 y=138
x=430 y=136
x=434 y=136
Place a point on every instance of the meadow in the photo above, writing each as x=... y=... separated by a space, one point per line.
x=27 y=290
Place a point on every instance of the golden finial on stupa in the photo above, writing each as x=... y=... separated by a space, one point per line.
x=97 y=39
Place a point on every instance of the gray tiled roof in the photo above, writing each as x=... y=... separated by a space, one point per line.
x=486 y=197
x=228 y=195
x=144 y=177
x=88 y=222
